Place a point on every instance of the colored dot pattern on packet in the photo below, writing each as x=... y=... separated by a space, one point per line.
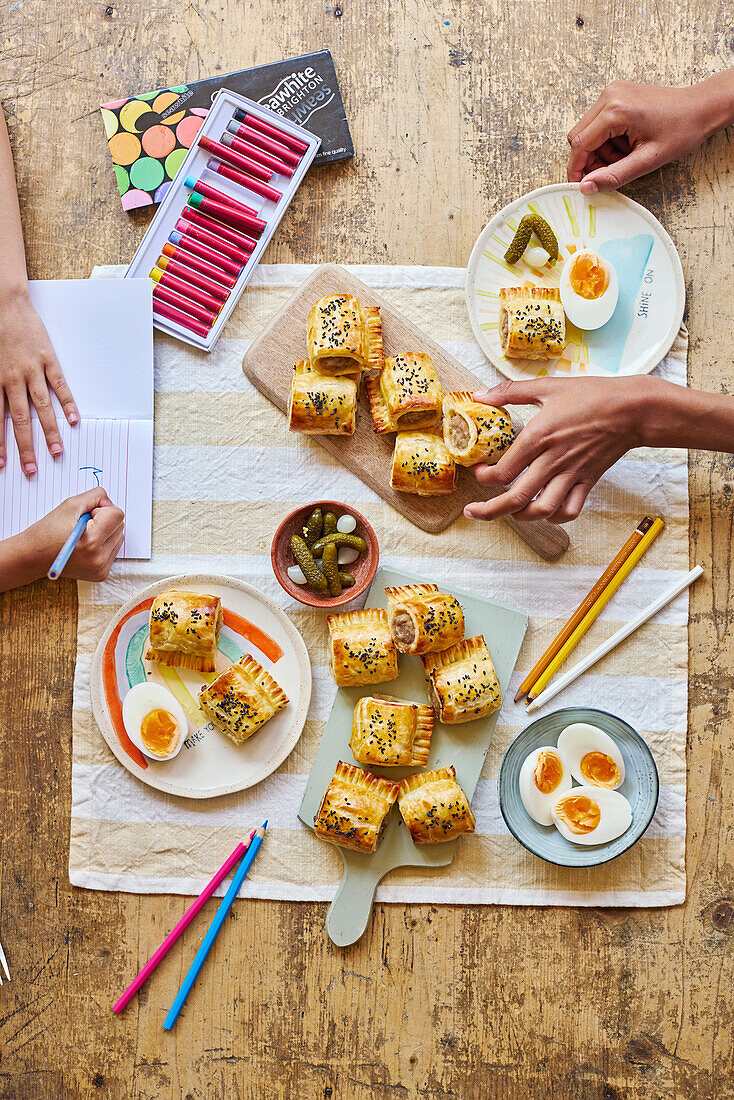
x=148 y=142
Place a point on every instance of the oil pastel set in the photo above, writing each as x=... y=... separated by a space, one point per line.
x=235 y=184
x=149 y=133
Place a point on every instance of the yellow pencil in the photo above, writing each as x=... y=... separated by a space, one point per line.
x=594 y=611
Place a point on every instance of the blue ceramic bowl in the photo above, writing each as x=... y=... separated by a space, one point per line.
x=641 y=787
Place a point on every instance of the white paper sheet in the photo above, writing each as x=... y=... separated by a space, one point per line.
x=102 y=332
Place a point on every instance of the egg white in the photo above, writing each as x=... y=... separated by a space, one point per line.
x=616 y=816
x=538 y=804
x=138 y=702
x=576 y=740
x=588 y=313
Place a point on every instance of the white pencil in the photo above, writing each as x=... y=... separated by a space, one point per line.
x=610 y=643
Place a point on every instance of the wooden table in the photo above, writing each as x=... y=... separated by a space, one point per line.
x=455 y=109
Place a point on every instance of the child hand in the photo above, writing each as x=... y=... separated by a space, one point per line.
x=29 y=370
x=98 y=546
x=584 y=425
x=632 y=129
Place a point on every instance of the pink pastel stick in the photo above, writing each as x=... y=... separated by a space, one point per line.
x=185 y=921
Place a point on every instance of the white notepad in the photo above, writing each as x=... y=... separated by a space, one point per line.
x=102 y=332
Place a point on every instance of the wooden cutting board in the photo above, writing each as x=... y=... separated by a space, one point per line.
x=268 y=364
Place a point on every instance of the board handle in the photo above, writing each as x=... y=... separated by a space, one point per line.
x=350 y=910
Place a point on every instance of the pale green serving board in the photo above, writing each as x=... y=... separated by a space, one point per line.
x=464 y=746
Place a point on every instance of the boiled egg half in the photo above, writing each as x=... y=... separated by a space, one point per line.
x=542 y=779
x=591 y=756
x=589 y=290
x=591 y=815
x=154 y=721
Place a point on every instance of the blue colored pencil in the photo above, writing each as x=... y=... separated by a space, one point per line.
x=216 y=924
x=68 y=548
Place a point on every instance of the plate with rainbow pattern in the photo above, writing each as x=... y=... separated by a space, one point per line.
x=651 y=301
x=209 y=764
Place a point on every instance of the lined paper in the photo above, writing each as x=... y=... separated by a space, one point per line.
x=102 y=332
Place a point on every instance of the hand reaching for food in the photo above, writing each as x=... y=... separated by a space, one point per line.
x=632 y=129
x=583 y=426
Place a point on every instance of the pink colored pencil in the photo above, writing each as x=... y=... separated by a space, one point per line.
x=185 y=921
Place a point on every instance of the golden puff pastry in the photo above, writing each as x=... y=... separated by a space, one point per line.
x=355 y=808
x=361 y=650
x=405 y=394
x=391 y=732
x=422 y=619
x=344 y=336
x=474 y=432
x=532 y=324
x=434 y=807
x=185 y=629
x=421 y=464
x=242 y=699
x=462 y=682
x=320 y=404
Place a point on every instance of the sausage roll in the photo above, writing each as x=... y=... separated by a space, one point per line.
x=242 y=699
x=344 y=336
x=462 y=682
x=474 y=432
x=355 y=807
x=421 y=464
x=391 y=732
x=422 y=619
x=185 y=629
x=532 y=324
x=434 y=807
x=320 y=404
x=405 y=394
x=361 y=650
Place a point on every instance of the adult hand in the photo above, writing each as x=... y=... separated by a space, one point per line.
x=97 y=548
x=29 y=370
x=584 y=425
x=633 y=129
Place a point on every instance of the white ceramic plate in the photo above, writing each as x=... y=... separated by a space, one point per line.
x=209 y=763
x=651 y=287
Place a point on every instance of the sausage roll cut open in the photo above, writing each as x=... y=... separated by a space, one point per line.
x=185 y=629
x=405 y=394
x=344 y=336
x=391 y=732
x=421 y=464
x=474 y=432
x=242 y=699
x=361 y=650
x=320 y=404
x=434 y=807
x=355 y=808
x=422 y=619
x=532 y=324
x=462 y=682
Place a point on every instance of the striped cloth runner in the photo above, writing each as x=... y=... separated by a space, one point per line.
x=225 y=472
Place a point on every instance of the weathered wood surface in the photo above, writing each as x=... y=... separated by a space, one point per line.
x=268 y=363
x=456 y=108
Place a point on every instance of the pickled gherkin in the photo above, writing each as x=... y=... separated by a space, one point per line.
x=331 y=569
x=314 y=527
x=346 y=578
x=529 y=224
x=304 y=558
x=356 y=542
x=330 y=522
x=521 y=240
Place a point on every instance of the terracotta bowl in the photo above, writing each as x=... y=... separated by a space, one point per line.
x=363 y=569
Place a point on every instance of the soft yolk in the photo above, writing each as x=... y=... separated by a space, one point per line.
x=548 y=771
x=158 y=729
x=578 y=812
x=600 y=769
x=588 y=277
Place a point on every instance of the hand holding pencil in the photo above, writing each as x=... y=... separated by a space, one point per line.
x=97 y=547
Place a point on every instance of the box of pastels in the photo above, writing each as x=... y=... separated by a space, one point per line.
x=220 y=212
